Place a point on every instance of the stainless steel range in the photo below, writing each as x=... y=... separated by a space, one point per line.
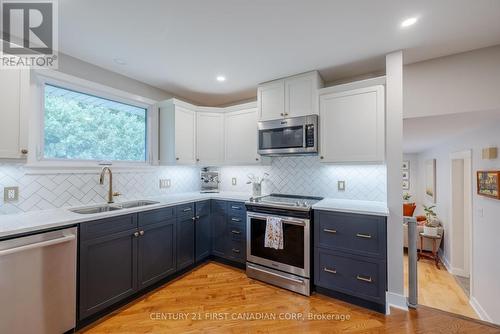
x=289 y=267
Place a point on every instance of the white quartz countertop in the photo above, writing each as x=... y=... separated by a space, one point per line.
x=27 y=222
x=33 y=221
x=353 y=206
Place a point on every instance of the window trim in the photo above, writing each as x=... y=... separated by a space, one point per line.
x=36 y=159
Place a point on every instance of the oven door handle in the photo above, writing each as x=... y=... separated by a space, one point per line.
x=285 y=220
x=298 y=281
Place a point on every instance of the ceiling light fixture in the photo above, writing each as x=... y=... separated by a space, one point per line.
x=221 y=78
x=409 y=22
x=119 y=61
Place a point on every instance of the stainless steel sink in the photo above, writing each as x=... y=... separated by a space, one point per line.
x=135 y=204
x=96 y=209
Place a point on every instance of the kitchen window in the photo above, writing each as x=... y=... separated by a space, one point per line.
x=83 y=127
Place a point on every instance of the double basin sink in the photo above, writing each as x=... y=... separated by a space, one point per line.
x=112 y=207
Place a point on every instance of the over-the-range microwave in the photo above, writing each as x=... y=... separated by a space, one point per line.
x=296 y=135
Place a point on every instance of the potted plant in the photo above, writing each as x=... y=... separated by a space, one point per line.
x=431 y=224
x=406 y=197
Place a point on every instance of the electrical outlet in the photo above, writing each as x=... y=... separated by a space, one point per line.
x=10 y=194
x=341 y=185
x=164 y=183
x=233 y=181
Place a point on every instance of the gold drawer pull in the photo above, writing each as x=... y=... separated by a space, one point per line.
x=235 y=232
x=331 y=271
x=327 y=230
x=234 y=207
x=235 y=220
x=366 y=236
x=364 y=279
x=236 y=250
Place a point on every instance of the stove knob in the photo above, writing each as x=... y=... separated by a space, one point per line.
x=304 y=204
x=297 y=203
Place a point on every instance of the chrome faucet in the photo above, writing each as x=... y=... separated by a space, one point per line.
x=110 y=190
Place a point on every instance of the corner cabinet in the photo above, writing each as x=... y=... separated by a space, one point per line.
x=14 y=87
x=289 y=97
x=210 y=137
x=177 y=137
x=352 y=125
x=241 y=137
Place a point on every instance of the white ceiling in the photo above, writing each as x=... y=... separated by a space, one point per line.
x=181 y=46
x=423 y=133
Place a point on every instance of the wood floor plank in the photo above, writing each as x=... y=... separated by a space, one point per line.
x=215 y=298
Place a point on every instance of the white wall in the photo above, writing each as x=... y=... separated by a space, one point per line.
x=486 y=212
x=463 y=82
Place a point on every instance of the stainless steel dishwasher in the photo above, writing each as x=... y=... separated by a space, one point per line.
x=38 y=283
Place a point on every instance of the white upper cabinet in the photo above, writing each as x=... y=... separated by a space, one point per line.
x=290 y=97
x=241 y=137
x=177 y=135
x=352 y=125
x=14 y=86
x=209 y=137
x=271 y=100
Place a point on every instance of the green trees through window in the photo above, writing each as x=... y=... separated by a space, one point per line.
x=79 y=126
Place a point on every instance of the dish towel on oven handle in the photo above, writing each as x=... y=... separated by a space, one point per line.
x=274 y=233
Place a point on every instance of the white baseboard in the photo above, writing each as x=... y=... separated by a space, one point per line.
x=449 y=268
x=395 y=300
x=479 y=310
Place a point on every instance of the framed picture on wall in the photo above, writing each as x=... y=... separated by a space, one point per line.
x=405 y=165
x=430 y=179
x=487 y=184
x=406 y=185
x=406 y=175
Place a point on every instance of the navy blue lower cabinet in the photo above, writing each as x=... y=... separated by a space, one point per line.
x=350 y=259
x=108 y=270
x=156 y=252
x=185 y=241
x=219 y=228
x=203 y=230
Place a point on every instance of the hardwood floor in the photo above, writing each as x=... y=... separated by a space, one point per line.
x=438 y=288
x=220 y=299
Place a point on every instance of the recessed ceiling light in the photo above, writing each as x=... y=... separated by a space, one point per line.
x=409 y=22
x=119 y=61
x=221 y=78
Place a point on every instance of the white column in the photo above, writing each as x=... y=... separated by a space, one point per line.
x=394 y=144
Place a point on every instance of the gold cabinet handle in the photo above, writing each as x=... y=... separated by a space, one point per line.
x=236 y=207
x=24 y=151
x=187 y=209
x=364 y=279
x=141 y=232
x=235 y=250
x=177 y=158
x=331 y=271
x=136 y=234
x=327 y=230
x=366 y=236
x=235 y=220
x=235 y=232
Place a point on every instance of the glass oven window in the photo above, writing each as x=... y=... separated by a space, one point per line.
x=293 y=244
x=290 y=137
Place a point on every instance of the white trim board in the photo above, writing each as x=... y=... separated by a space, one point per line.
x=479 y=310
x=395 y=300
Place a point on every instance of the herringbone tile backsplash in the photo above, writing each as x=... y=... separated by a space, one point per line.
x=289 y=175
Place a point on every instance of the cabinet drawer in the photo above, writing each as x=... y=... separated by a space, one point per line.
x=236 y=250
x=357 y=234
x=104 y=227
x=236 y=219
x=357 y=276
x=236 y=208
x=185 y=209
x=219 y=206
x=156 y=216
x=202 y=208
x=236 y=232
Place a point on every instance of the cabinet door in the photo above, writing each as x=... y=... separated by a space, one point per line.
x=185 y=241
x=203 y=230
x=219 y=230
x=301 y=95
x=108 y=271
x=185 y=121
x=241 y=137
x=271 y=100
x=353 y=126
x=209 y=137
x=156 y=252
x=13 y=139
